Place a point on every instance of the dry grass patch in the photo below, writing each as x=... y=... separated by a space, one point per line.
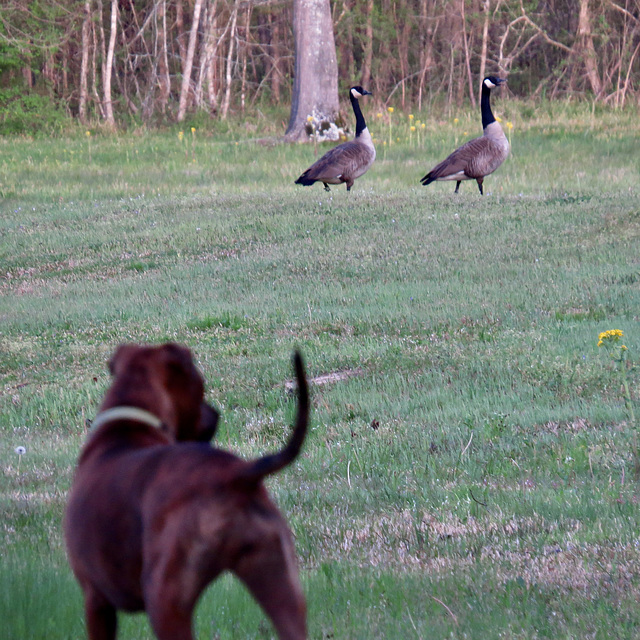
x=509 y=550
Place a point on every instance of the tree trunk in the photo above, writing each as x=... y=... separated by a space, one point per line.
x=486 y=7
x=209 y=22
x=404 y=34
x=180 y=29
x=315 y=83
x=365 y=78
x=347 y=42
x=276 y=73
x=228 y=78
x=186 y=73
x=108 y=67
x=585 y=48
x=84 y=65
x=163 y=57
x=97 y=40
x=427 y=37
x=212 y=44
x=245 y=52
x=467 y=60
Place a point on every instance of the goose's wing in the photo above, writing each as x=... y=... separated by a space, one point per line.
x=342 y=160
x=488 y=158
x=462 y=161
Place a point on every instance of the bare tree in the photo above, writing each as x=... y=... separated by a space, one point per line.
x=467 y=59
x=108 y=66
x=315 y=83
x=486 y=8
x=188 y=64
x=365 y=77
x=162 y=55
x=84 y=65
x=584 y=49
x=229 y=75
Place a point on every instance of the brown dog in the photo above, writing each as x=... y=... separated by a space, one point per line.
x=150 y=522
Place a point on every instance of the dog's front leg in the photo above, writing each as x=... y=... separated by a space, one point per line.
x=100 y=616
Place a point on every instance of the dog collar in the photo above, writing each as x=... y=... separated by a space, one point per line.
x=126 y=413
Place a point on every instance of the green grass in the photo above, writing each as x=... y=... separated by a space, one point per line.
x=472 y=478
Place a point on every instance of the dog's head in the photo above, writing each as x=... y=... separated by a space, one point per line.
x=163 y=380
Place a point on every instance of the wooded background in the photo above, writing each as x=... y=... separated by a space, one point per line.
x=158 y=61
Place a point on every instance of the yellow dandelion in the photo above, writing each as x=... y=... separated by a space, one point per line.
x=423 y=125
x=180 y=135
x=390 y=109
x=456 y=120
x=88 y=134
x=193 y=130
x=509 y=125
x=498 y=118
x=411 y=116
x=309 y=118
x=610 y=336
x=413 y=128
x=378 y=115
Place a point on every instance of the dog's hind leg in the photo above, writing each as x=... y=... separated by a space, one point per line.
x=169 y=599
x=170 y=623
x=271 y=576
x=170 y=618
x=100 y=616
x=169 y=612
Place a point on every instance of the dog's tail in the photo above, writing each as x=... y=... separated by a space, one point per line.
x=269 y=464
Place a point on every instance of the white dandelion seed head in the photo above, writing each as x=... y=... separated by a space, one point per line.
x=20 y=450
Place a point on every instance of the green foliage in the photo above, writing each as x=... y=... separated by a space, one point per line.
x=9 y=58
x=29 y=112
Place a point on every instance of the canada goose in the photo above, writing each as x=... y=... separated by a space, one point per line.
x=478 y=157
x=348 y=160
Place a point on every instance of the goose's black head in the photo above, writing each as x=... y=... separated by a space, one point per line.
x=358 y=92
x=490 y=82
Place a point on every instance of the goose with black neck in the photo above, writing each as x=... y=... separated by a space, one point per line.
x=347 y=161
x=481 y=156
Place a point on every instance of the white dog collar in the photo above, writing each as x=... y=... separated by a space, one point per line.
x=126 y=413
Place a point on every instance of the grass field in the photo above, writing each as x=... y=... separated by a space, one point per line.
x=471 y=475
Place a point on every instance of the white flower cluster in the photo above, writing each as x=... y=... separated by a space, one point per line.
x=323 y=128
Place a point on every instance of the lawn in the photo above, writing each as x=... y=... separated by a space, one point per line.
x=469 y=473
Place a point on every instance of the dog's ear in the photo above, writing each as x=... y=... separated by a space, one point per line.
x=179 y=358
x=121 y=355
